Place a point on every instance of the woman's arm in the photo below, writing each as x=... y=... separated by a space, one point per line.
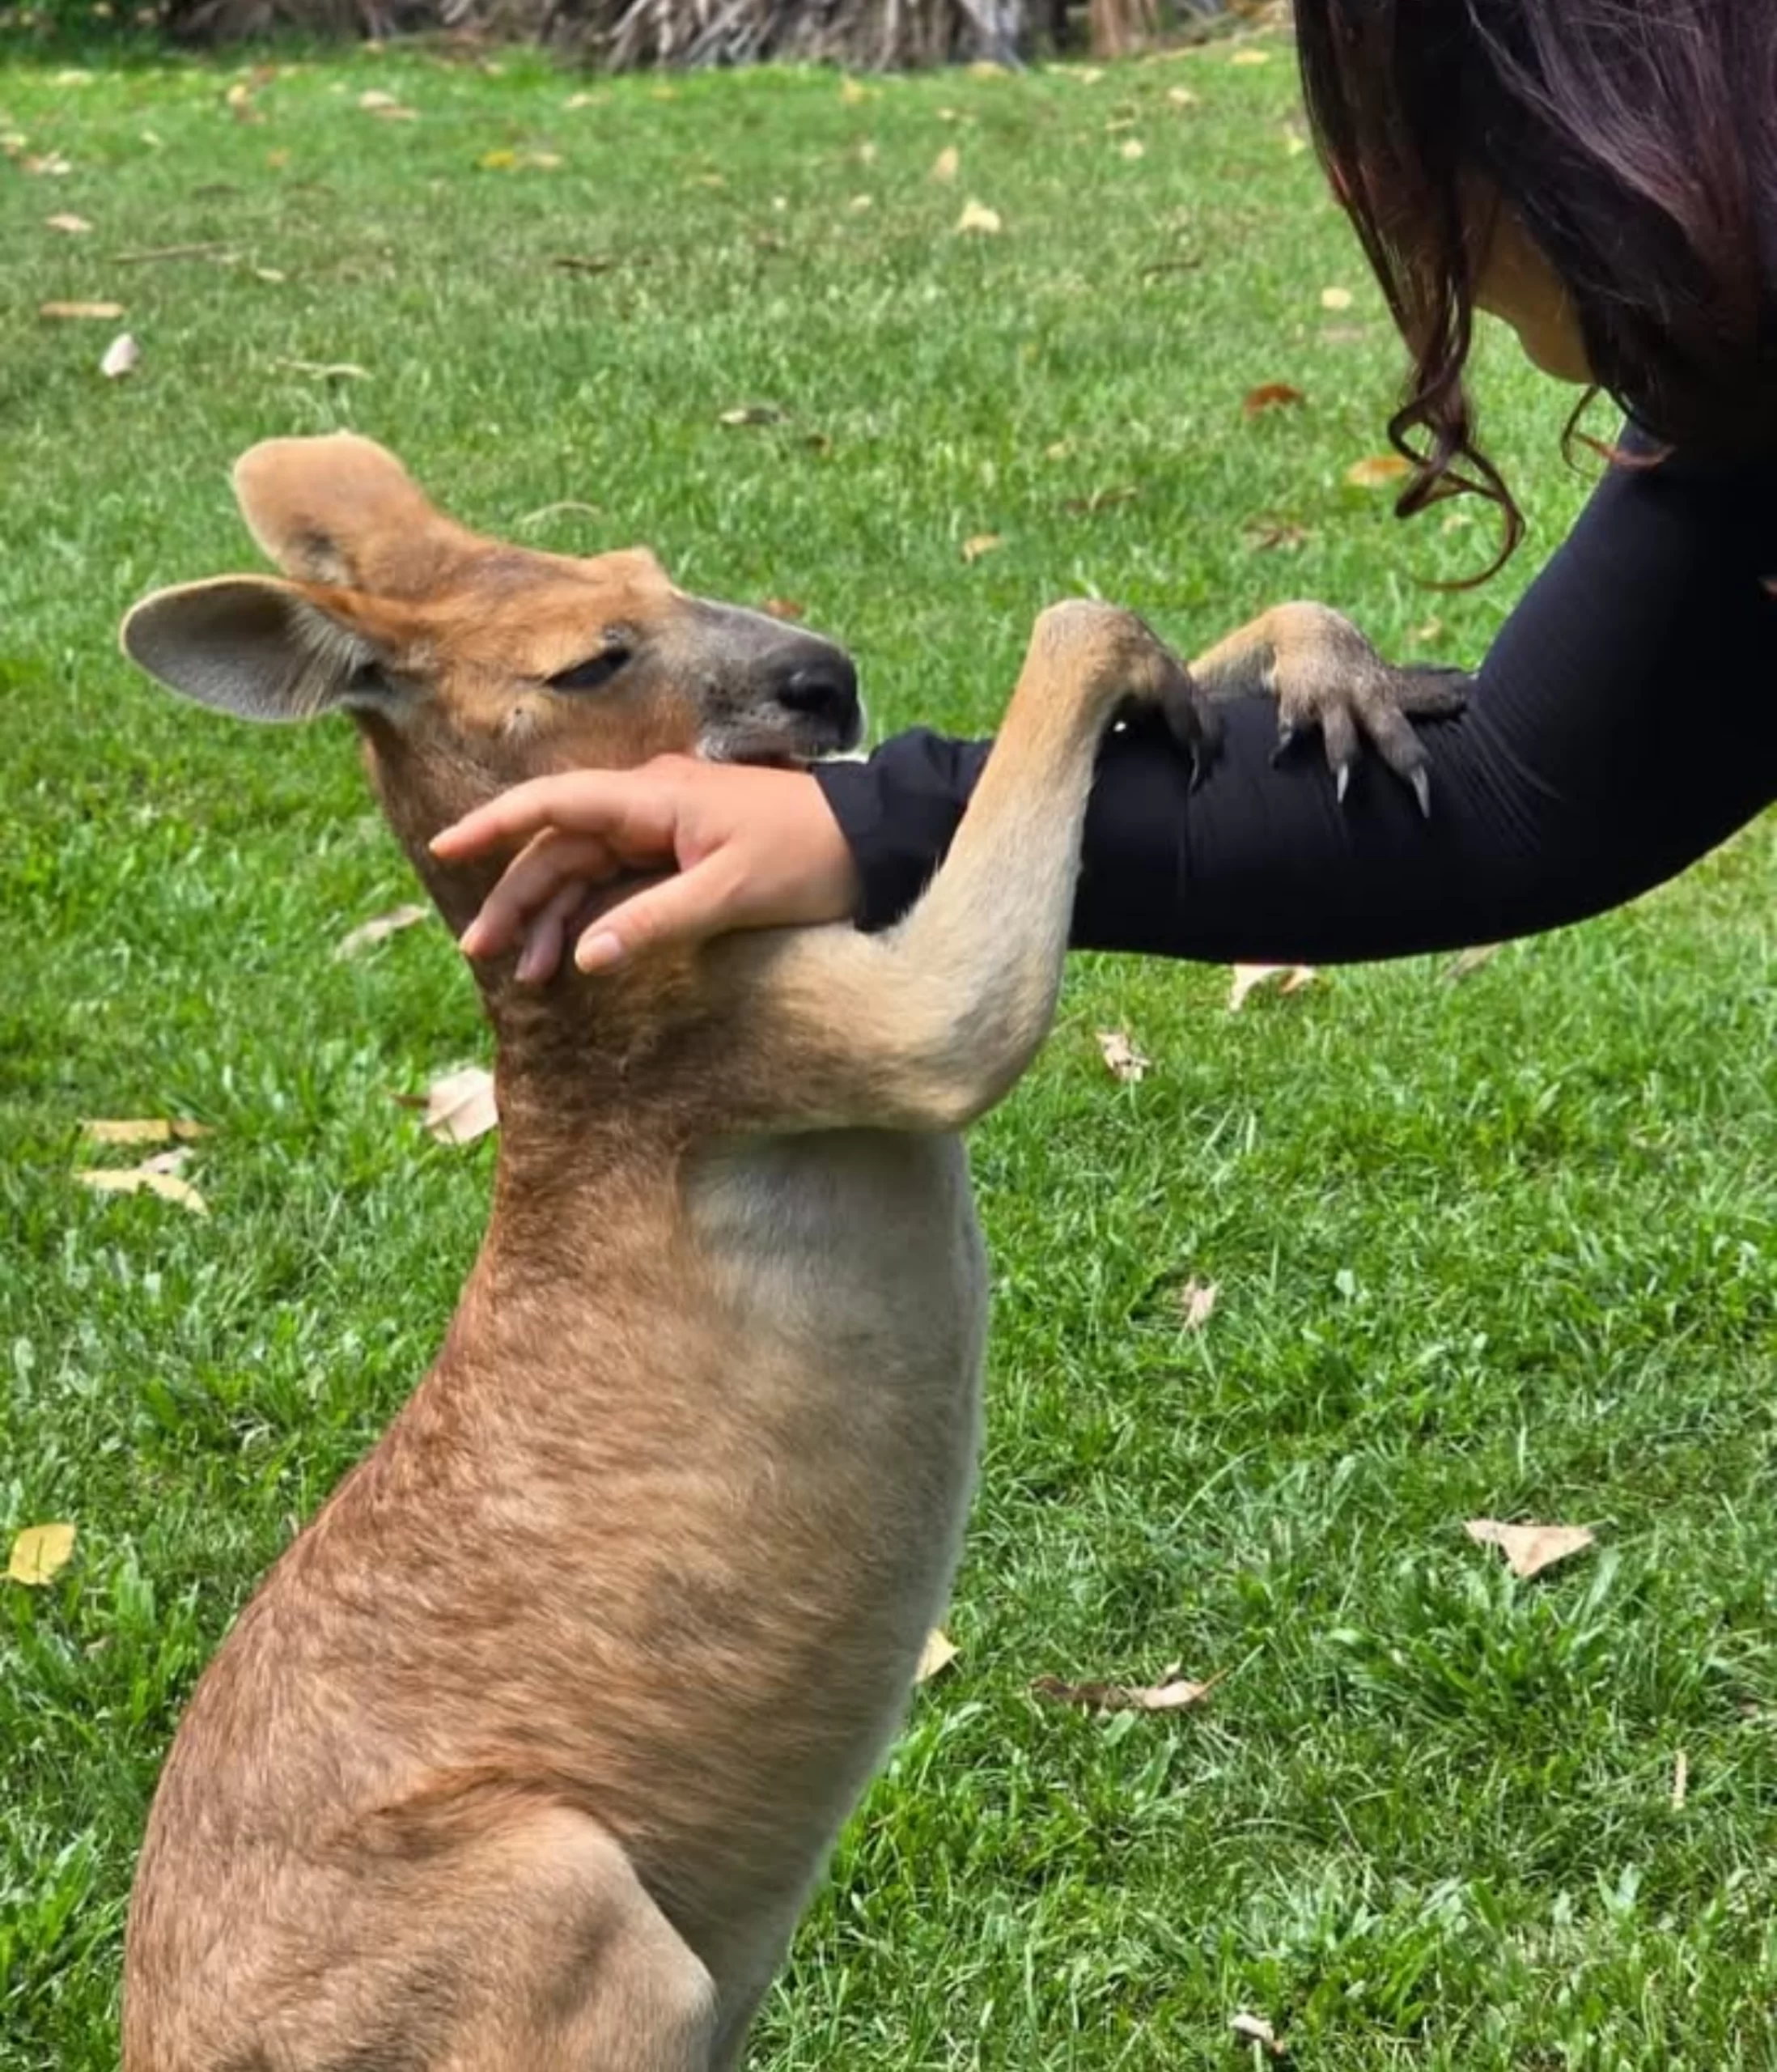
x=1624 y=722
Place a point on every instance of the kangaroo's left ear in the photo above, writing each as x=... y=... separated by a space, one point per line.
x=342 y=510
x=265 y=649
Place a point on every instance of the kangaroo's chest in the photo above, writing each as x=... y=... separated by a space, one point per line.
x=858 y=1250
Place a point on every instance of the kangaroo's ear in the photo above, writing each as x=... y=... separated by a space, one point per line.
x=342 y=510
x=264 y=649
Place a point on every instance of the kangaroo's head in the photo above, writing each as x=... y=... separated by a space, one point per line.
x=469 y=664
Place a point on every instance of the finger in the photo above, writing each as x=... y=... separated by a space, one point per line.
x=683 y=909
x=547 y=862
x=609 y=804
x=544 y=939
x=1338 y=736
x=1432 y=692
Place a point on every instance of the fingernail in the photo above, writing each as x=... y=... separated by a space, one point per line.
x=528 y=965
x=598 y=952
x=469 y=942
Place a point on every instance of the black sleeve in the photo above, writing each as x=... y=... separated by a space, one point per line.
x=1624 y=722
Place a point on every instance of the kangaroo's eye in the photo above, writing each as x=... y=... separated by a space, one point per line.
x=595 y=672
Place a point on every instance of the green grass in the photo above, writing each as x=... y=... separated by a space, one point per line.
x=1499 y=1248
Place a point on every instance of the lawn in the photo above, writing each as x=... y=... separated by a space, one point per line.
x=1499 y=1246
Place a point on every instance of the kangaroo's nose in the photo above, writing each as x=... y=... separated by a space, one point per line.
x=826 y=690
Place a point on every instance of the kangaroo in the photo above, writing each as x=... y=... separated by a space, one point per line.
x=527 y=1753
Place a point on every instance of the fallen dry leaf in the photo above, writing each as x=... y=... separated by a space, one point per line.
x=1133 y=147
x=1378 y=472
x=1266 y=537
x=154 y=1176
x=39 y=1553
x=1292 y=978
x=1270 y=396
x=1254 y=2028
x=1181 y=97
x=460 y=1107
x=752 y=414
x=144 y=1129
x=123 y=355
x=1681 y=1780
x=1102 y=499
x=374 y=98
x=981 y=543
x=238 y=100
x=1529 y=1549
x=1120 y=1055
x=936 y=1655
x=1335 y=297
x=71 y=226
x=1250 y=56
x=324 y=370
x=79 y=312
x=947 y=164
x=1196 y=1301
x=1173 y=1694
x=381 y=928
x=210 y=248
x=50 y=165
x=1471 y=960
x=979 y=219
x=783 y=608
x=853 y=93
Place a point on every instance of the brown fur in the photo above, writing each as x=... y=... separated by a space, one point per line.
x=527 y=1754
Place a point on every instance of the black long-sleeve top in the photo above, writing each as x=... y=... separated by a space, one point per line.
x=1623 y=722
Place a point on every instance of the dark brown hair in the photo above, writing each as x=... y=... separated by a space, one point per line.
x=1636 y=141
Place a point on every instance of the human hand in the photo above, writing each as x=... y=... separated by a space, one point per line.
x=748 y=848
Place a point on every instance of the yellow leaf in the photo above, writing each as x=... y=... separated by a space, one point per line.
x=144 y=1130
x=853 y=93
x=79 y=312
x=947 y=164
x=1471 y=959
x=1247 y=977
x=39 y=1553
x=123 y=355
x=1254 y=2028
x=1196 y=1301
x=1248 y=56
x=981 y=543
x=1172 y=1694
x=501 y=161
x=1133 y=147
x=1121 y=1056
x=381 y=928
x=71 y=226
x=1378 y=472
x=146 y=1178
x=460 y=1107
x=978 y=218
x=937 y=1654
x=1335 y=297
x=1529 y=1549
x=1181 y=97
